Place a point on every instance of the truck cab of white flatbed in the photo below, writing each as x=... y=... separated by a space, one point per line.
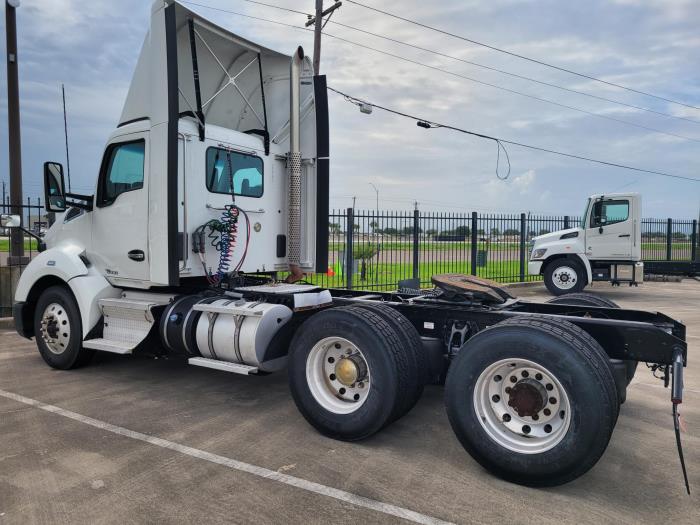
x=605 y=246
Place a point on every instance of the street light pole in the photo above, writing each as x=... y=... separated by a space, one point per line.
x=15 y=144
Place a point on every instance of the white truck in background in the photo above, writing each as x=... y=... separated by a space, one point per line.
x=605 y=246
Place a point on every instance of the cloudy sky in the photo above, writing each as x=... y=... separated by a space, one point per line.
x=649 y=45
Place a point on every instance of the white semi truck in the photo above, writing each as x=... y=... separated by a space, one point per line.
x=216 y=179
x=605 y=246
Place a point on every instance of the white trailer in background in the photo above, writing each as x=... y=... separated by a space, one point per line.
x=605 y=246
x=215 y=179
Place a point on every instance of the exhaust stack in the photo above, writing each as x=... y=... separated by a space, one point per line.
x=294 y=169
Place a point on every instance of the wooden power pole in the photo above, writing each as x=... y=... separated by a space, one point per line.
x=317 y=22
x=15 y=153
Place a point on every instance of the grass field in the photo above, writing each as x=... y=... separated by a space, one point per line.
x=389 y=274
x=28 y=244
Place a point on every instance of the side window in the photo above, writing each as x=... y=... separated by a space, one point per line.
x=606 y=213
x=123 y=170
x=234 y=173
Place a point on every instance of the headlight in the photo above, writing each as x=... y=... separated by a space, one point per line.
x=538 y=254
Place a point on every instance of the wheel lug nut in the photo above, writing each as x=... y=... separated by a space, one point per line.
x=526 y=429
x=549 y=386
x=513 y=379
x=356 y=397
x=547 y=411
x=332 y=376
x=524 y=373
x=553 y=400
x=342 y=391
x=496 y=398
x=561 y=414
x=538 y=376
x=506 y=417
x=507 y=390
x=331 y=360
x=535 y=417
x=548 y=428
x=497 y=378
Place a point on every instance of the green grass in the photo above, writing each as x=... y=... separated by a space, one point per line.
x=29 y=244
x=390 y=273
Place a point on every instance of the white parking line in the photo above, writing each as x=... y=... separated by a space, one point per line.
x=261 y=472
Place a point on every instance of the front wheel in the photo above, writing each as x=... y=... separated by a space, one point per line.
x=563 y=276
x=532 y=401
x=58 y=330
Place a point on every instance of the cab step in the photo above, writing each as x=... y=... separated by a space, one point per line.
x=224 y=366
x=108 y=345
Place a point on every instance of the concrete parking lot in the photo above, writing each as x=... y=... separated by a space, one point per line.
x=134 y=440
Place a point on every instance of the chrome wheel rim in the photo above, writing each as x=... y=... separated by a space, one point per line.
x=522 y=406
x=338 y=375
x=55 y=328
x=565 y=277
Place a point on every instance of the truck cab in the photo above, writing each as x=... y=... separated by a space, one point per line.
x=605 y=246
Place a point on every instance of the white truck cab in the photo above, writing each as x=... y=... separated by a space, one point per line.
x=605 y=246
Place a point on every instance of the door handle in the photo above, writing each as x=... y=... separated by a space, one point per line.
x=600 y=230
x=624 y=235
x=137 y=255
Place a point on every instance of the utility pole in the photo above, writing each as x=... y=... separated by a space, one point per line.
x=15 y=150
x=317 y=22
x=377 y=192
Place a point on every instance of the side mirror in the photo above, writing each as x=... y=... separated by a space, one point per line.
x=54 y=187
x=10 y=221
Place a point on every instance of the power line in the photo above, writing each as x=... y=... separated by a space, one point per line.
x=256 y=2
x=515 y=75
x=523 y=57
x=430 y=124
x=513 y=91
x=458 y=75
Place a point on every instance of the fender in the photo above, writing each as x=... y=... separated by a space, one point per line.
x=65 y=264
x=587 y=265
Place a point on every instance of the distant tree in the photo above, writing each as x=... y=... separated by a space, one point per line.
x=679 y=236
x=390 y=231
x=462 y=230
x=356 y=228
x=511 y=232
x=495 y=232
x=334 y=228
x=375 y=226
x=431 y=233
x=480 y=231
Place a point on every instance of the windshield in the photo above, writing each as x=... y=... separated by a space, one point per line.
x=585 y=214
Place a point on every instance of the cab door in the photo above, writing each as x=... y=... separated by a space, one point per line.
x=120 y=216
x=610 y=231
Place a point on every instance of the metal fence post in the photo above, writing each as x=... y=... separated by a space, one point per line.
x=416 y=219
x=475 y=225
x=694 y=241
x=349 y=256
x=523 y=235
x=566 y=222
x=669 y=239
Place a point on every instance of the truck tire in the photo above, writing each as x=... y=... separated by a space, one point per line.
x=589 y=299
x=410 y=341
x=563 y=276
x=58 y=330
x=511 y=372
x=348 y=374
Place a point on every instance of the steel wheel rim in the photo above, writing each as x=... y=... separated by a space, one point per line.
x=527 y=434
x=565 y=277
x=55 y=328
x=322 y=366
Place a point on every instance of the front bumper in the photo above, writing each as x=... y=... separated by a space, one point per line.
x=534 y=267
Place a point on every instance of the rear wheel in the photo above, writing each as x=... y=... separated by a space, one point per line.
x=563 y=276
x=532 y=401
x=411 y=345
x=58 y=330
x=348 y=374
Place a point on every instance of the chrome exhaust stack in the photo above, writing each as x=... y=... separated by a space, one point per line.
x=294 y=170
